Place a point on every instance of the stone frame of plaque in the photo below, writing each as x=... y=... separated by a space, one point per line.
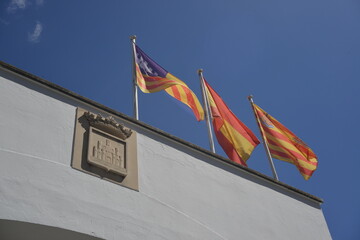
x=105 y=148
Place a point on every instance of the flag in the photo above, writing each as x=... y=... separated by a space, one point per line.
x=284 y=145
x=234 y=137
x=151 y=77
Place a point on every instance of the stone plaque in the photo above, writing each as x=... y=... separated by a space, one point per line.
x=104 y=147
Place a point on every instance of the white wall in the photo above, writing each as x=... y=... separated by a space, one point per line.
x=183 y=194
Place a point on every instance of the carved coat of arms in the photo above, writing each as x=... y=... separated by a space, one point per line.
x=107 y=146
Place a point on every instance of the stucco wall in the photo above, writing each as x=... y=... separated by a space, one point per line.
x=183 y=194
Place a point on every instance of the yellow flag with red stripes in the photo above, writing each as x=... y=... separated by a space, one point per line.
x=285 y=145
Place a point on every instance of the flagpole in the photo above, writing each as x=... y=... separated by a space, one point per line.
x=135 y=89
x=207 y=110
x=263 y=139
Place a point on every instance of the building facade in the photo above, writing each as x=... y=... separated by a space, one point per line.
x=74 y=169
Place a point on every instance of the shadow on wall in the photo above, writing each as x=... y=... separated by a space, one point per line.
x=15 y=230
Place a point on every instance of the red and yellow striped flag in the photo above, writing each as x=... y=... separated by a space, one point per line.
x=234 y=137
x=151 y=77
x=284 y=145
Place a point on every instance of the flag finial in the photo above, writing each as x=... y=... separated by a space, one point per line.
x=200 y=71
x=132 y=37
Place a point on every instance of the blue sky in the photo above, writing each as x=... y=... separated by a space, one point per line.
x=300 y=60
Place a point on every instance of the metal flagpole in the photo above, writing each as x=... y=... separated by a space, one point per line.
x=135 y=89
x=263 y=139
x=207 y=110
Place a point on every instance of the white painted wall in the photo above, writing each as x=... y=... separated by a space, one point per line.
x=183 y=194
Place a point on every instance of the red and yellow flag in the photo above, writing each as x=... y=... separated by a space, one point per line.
x=284 y=145
x=151 y=77
x=234 y=137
